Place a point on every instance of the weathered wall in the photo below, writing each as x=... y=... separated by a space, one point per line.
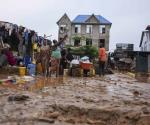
x=95 y=35
x=65 y=21
x=149 y=63
x=146 y=42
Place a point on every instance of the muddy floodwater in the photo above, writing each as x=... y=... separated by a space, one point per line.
x=116 y=99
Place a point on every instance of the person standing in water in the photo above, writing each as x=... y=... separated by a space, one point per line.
x=102 y=60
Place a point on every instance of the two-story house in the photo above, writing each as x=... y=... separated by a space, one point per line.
x=85 y=30
x=145 y=40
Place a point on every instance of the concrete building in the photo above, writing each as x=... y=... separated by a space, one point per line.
x=145 y=40
x=85 y=30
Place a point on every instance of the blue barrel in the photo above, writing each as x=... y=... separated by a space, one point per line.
x=31 y=69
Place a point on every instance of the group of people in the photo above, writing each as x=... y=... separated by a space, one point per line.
x=27 y=43
x=21 y=39
x=47 y=53
x=53 y=57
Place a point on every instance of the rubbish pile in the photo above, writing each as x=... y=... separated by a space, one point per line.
x=124 y=57
x=18 y=98
x=18 y=82
x=17 y=79
x=82 y=67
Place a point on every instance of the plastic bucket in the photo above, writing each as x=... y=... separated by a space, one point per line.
x=87 y=66
x=22 y=71
x=31 y=69
x=92 y=72
x=65 y=72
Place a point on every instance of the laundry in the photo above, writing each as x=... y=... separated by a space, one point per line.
x=19 y=38
x=14 y=38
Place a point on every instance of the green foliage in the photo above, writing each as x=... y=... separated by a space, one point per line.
x=90 y=51
x=77 y=38
x=68 y=46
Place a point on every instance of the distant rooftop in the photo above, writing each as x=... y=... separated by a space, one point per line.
x=84 y=18
x=148 y=27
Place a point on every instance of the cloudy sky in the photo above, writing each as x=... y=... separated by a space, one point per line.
x=128 y=17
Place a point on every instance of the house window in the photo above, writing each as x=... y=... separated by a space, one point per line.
x=89 y=42
x=62 y=28
x=102 y=42
x=77 y=28
x=102 y=29
x=76 y=42
x=89 y=29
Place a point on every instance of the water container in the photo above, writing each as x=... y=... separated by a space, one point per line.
x=39 y=68
x=27 y=60
x=31 y=69
x=22 y=71
x=66 y=72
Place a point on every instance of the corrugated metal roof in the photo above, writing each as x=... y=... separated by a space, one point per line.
x=84 y=18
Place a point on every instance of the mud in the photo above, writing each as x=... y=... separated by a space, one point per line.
x=116 y=99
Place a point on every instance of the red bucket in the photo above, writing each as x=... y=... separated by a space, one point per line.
x=86 y=66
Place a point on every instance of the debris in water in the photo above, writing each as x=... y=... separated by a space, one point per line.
x=18 y=98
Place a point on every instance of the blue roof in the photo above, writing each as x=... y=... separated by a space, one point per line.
x=84 y=18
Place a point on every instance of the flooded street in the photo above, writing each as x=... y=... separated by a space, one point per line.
x=116 y=99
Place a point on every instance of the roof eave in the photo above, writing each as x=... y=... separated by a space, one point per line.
x=91 y=17
x=92 y=23
x=61 y=18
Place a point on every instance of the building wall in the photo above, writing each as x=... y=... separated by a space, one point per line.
x=146 y=42
x=107 y=36
x=65 y=21
x=149 y=63
x=95 y=35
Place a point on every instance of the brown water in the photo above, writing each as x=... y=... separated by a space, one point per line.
x=42 y=82
x=114 y=100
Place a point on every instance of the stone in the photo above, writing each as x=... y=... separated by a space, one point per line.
x=145 y=110
x=48 y=120
x=53 y=115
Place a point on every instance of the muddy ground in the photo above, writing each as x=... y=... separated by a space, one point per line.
x=116 y=99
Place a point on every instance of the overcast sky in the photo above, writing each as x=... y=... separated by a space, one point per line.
x=128 y=17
